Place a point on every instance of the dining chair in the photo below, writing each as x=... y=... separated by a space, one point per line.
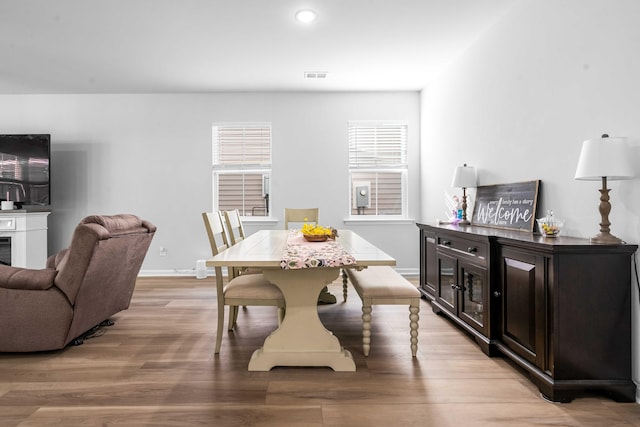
x=246 y=289
x=234 y=226
x=300 y=216
x=236 y=234
x=293 y=215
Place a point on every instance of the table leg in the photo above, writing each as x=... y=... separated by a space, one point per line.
x=301 y=339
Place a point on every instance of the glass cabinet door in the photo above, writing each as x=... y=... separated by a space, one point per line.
x=474 y=287
x=447 y=281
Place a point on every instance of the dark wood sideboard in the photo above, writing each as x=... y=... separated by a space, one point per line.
x=560 y=308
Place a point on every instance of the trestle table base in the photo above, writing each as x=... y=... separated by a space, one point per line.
x=301 y=339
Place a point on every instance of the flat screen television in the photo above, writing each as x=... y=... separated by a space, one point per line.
x=24 y=169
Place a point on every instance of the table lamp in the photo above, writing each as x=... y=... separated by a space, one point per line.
x=604 y=159
x=464 y=177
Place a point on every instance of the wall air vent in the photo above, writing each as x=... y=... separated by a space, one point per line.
x=315 y=74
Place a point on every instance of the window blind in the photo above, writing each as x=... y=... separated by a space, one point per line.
x=247 y=146
x=377 y=145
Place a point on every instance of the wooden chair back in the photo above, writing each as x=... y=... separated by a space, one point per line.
x=217 y=240
x=215 y=231
x=300 y=216
x=234 y=226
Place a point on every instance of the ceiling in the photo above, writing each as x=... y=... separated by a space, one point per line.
x=168 y=46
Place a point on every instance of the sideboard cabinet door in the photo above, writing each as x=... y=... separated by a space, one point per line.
x=523 y=287
x=473 y=283
x=428 y=270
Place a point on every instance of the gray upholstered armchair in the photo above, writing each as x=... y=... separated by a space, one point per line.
x=81 y=287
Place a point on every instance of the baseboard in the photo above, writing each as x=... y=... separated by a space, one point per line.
x=172 y=273
x=408 y=271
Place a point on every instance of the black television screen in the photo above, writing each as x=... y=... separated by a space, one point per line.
x=24 y=169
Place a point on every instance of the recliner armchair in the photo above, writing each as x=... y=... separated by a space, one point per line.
x=81 y=286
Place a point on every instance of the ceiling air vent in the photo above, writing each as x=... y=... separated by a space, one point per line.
x=315 y=74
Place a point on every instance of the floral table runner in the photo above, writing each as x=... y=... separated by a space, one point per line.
x=299 y=253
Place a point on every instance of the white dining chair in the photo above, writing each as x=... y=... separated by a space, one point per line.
x=243 y=290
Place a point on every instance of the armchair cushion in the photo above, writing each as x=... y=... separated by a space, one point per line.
x=22 y=278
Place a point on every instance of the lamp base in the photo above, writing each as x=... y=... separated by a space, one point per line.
x=606 y=239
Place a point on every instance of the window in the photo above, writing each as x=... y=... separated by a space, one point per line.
x=378 y=168
x=242 y=167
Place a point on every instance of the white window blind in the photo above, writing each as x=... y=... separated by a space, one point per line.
x=373 y=145
x=242 y=145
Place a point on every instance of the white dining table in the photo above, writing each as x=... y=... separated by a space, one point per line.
x=301 y=339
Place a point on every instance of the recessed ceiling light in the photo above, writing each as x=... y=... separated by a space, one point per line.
x=306 y=15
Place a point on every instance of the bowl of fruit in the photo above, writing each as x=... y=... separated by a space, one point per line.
x=317 y=233
x=549 y=226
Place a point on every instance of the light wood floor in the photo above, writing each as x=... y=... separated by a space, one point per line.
x=155 y=367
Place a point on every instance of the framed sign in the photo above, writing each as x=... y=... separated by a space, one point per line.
x=511 y=206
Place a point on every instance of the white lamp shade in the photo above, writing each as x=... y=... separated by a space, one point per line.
x=464 y=177
x=604 y=157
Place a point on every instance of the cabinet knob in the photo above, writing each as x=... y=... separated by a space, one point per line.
x=497 y=294
x=472 y=250
x=446 y=242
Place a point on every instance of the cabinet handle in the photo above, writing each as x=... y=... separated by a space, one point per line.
x=497 y=294
x=472 y=250
x=446 y=242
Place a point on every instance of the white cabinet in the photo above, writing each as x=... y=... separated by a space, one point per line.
x=28 y=235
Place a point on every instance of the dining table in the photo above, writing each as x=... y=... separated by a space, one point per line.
x=301 y=269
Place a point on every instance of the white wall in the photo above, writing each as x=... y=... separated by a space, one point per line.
x=519 y=103
x=151 y=155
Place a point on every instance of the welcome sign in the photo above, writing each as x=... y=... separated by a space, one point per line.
x=511 y=206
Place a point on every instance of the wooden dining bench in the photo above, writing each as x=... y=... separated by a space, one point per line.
x=383 y=285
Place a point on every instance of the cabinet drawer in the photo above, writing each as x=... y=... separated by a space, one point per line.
x=472 y=248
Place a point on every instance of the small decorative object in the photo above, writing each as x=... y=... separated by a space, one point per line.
x=549 y=226
x=453 y=204
x=317 y=233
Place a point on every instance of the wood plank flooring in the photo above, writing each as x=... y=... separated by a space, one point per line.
x=155 y=367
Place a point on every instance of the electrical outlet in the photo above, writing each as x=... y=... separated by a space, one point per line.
x=163 y=251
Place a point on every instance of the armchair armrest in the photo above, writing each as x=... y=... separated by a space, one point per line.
x=24 y=278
